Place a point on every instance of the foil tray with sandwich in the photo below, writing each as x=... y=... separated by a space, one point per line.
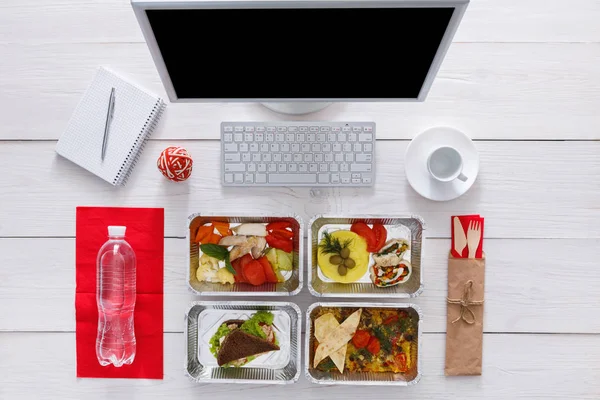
x=365 y=256
x=243 y=342
x=245 y=255
x=363 y=343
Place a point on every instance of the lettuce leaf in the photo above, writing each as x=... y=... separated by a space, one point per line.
x=252 y=327
x=214 y=343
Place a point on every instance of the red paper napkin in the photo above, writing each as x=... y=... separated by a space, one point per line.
x=465 y=220
x=145 y=234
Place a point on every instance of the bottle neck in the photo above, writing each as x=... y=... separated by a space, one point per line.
x=115 y=237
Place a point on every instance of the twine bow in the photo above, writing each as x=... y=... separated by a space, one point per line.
x=465 y=303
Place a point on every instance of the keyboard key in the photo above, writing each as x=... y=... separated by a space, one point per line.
x=282 y=168
x=316 y=147
x=239 y=129
x=335 y=178
x=357 y=180
x=297 y=157
x=292 y=178
x=260 y=129
x=235 y=167
x=228 y=128
x=303 y=167
x=261 y=178
x=238 y=137
x=356 y=129
x=295 y=147
x=277 y=157
x=274 y=147
x=334 y=167
x=349 y=157
x=301 y=137
x=339 y=157
x=331 y=137
x=271 y=129
x=308 y=157
x=285 y=147
x=246 y=157
x=269 y=137
x=346 y=129
x=249 y=128
x=272 y=167
x=279 y=137
x=251 y=167
x=249 y=178
x=259 y=137
x=319 y=157
x=311 y=137
x=262 y=167
x=253 y=147
x=357 y=147
x=323 y=178
x=229 y=178
x=367 y=128
x=324 y=129
x=365 y=137
x=238 y=178
x=243 y=147
x=290 y=137
x=266 y=157
x=336 y=129
x=313 y=167
x=352 y=137
x=321 y=137
x=228 y=137
x=249 y=137
x=337 y=147
x=323 y=167
x=233 y=157
x=292 y=167
x=230 y=147
x=303 y=129
x=326 y=147
x=347 y=147
x=314 y=129
x=264 y=147
x=305 y=147
x=360 y=167
x=281 y=128
x=287 y=157
x=345 y=178
x=342 y=137
x=292 y=129
x=368 y=147
x=344 y=167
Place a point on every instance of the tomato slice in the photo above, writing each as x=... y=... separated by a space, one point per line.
x=390 y=319
x=380 y=236
x=239 y=273
x=361 y=338
x=254 y=273
x=280 y=243
x=268 y=268
x=373 y=345
x=283 y=233
x=363 y=230
x=400 y=360
x=278 y=225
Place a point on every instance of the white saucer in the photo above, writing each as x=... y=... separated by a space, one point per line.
x=415 y=163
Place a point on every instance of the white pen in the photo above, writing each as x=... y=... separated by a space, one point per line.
x=109 y=116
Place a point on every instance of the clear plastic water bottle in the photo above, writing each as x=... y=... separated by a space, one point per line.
x=115 y=296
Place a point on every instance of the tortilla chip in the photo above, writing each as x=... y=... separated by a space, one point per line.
x=324 y=325
x=338 y=337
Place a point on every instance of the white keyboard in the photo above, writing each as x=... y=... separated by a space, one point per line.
x=298 y=153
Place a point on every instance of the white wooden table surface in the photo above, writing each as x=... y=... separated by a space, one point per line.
x=522 y=78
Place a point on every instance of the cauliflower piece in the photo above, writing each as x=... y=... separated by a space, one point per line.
x=224 y=276
x=207 y=269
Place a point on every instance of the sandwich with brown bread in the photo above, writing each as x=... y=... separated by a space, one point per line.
x=237 y=342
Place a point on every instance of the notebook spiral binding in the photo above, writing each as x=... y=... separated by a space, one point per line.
x=147 y=130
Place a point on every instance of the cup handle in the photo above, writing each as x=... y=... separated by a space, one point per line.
x=462 y=177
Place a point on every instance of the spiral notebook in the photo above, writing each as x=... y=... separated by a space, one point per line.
x=136 y=114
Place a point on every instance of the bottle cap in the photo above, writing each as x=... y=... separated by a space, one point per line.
x=116 y=230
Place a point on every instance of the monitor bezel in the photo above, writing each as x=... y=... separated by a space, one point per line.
x=140 y=6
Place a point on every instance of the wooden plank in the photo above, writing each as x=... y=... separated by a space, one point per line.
x=527 y=285
x=41 y=21
x=514 y=366
x=490 y=91
x=524 y=189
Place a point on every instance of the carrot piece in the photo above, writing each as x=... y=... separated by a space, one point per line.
x=222 y=228
x=203 y=232
x=213 y=238
x=254 y=273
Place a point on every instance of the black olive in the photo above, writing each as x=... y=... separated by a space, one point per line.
x=408 y=338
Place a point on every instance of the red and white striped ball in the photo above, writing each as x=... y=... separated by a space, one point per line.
x=175 y=163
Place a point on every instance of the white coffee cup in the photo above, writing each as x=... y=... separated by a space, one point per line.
x=446 y=164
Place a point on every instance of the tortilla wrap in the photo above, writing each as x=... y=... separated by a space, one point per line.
x=324 y=326
x=338 y=337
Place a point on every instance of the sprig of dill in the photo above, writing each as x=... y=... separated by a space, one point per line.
x=333 y=245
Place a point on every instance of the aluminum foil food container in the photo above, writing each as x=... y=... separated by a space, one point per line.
x=202 y=319
x=402 y=227
x=411 y=377
x=290 y=287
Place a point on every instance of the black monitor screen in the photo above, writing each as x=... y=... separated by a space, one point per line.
x=321 y=53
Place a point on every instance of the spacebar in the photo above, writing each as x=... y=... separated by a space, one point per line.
x=292 y=178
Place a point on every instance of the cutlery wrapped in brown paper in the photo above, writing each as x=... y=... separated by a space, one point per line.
x=464 y=332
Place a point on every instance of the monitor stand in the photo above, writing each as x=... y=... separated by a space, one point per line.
x=296 y=108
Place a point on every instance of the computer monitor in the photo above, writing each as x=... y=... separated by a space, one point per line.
x=298 y=56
